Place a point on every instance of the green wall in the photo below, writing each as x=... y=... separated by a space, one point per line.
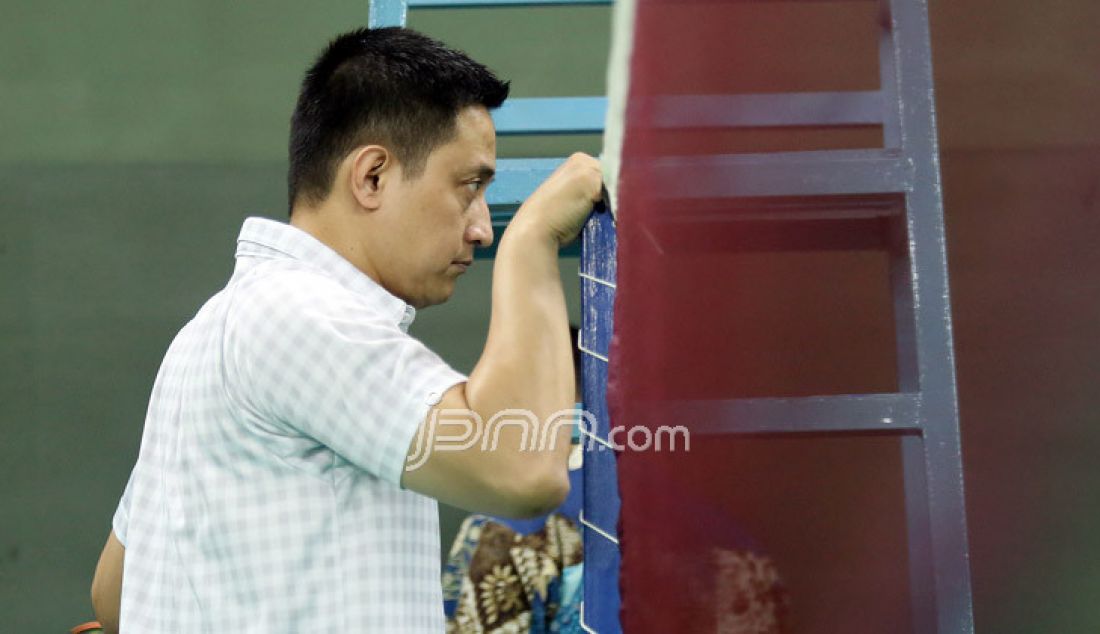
x=134 y=139
x=204 y=81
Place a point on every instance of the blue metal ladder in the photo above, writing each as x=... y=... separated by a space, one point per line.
x=898 y=184
x=842 y=199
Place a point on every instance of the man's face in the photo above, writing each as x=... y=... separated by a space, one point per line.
x=438 y=218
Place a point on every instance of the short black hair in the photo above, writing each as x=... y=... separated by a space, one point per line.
x=391 y=86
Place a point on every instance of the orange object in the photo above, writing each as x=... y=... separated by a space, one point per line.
x=90 y=626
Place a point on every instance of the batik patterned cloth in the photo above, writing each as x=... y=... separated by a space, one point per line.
x=499 y=581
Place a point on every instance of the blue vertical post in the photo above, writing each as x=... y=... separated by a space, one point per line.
x=387 y=13
x=601 y=482
x=937 y=470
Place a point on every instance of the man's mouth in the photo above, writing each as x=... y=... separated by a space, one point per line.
x=463 y=264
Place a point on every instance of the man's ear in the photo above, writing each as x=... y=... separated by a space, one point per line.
x=371 y=167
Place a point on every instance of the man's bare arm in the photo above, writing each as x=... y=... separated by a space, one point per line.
x=107 y=584
x=527 y=363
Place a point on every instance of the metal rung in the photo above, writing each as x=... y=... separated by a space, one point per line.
x=688 y=2
x=585 y=115
x=551 y=115
x=792 y=209
x=517 y=178
x=457 y=4
x=825 y=173
x=467 y=4
x=831 y=173
x=769 y=110
x=857 y=413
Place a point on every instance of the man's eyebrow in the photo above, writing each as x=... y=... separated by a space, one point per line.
x=486 y=173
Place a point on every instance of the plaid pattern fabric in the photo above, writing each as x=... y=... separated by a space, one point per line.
x=266 y=494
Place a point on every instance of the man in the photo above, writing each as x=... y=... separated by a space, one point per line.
x=271 y=492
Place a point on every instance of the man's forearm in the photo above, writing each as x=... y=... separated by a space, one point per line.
x=527 y=362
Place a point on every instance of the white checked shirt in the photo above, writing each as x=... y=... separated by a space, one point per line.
x=266 y=496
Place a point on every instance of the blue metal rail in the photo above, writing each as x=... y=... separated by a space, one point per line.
x=887 y=198
x=585 y=115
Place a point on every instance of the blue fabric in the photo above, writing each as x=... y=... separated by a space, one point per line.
x=565 y=592
x=568 y=618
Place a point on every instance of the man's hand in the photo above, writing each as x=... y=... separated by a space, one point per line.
x=560 y=206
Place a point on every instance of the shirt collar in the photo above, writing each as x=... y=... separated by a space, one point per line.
x=264 y=238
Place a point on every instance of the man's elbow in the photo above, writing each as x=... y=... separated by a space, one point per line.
x=538 y=495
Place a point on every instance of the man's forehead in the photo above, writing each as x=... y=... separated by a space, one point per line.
x=475 y=125
x=463 y=160
x=477 y=143
x=472 y=149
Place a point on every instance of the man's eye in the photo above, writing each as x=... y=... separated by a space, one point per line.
x=474 y=186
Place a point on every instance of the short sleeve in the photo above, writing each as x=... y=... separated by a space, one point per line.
x=121 y=520
x=304 y=351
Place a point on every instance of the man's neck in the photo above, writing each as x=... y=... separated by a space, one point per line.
x=328 y=226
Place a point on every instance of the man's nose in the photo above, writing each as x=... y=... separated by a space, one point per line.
x=480 y=230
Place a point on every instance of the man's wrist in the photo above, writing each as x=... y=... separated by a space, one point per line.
x=528 y=234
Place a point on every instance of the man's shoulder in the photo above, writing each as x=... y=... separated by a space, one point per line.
x=285 y=276
x=289 y=287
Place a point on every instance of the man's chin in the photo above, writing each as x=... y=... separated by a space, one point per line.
x=436 y=298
